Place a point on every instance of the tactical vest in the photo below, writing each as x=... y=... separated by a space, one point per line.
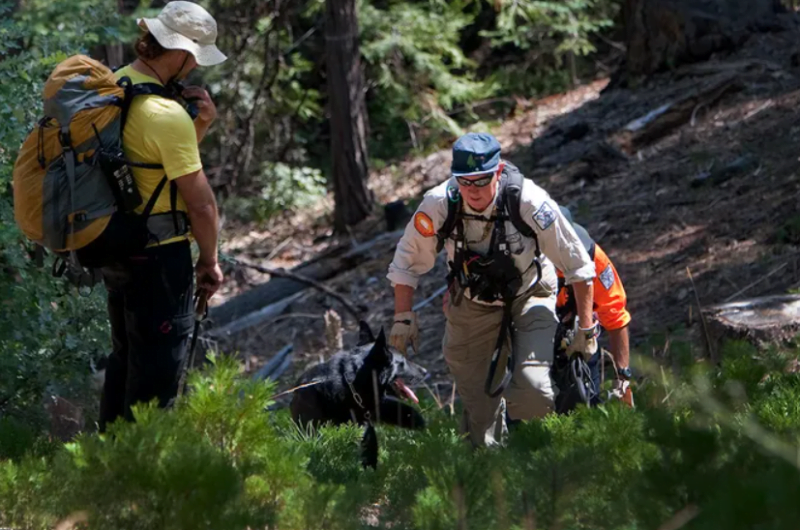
x=494 y=276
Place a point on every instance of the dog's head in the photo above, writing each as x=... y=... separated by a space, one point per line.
x=393 y=369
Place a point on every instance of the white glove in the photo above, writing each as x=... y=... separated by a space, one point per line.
x=621 y=390
x=404 y=330
x=584 y=341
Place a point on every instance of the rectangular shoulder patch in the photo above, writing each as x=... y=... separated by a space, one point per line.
x=544 y=216
x=607 y=277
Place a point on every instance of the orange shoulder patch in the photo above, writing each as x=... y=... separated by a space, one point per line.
x=423 y=224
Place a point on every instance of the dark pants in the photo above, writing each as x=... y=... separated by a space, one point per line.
x=150 y=308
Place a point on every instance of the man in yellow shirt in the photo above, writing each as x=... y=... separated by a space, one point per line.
x=150 y=294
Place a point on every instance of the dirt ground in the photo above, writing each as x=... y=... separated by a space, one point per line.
x=739 y=236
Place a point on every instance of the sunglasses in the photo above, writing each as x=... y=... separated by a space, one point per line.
x=478 y=183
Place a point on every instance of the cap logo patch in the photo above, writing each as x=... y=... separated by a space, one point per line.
x=424 y=225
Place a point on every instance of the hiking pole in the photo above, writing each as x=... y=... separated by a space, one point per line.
x=200 y=313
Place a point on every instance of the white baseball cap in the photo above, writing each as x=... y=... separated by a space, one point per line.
x=186 y=26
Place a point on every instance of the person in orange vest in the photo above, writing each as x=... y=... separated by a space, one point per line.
x=610 y=308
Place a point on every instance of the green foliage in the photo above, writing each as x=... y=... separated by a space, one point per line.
x=47 y=332
x=417 y=71
x=218 y=459
x=789 y=232
x=559 y=27
x=282 y=187
x=268 y=93
x=543 y=33
x=719 y=443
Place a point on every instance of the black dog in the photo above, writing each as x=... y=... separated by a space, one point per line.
x=361 y=385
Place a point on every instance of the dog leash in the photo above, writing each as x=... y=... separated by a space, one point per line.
x=200 y=314
x=292 y=390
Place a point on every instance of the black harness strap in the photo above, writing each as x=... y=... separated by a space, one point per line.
x=200 y=314
x=505 y=332
x=500 y=244
x=581 y=376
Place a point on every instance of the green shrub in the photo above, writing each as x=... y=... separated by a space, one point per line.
x=417 y=72
x=282 y=187
x=48 y=334
x=218 y=459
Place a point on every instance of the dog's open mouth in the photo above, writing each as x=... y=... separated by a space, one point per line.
x=404 y=391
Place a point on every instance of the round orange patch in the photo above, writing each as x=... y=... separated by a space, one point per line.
x=423 y=224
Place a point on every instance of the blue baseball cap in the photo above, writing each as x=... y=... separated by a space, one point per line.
x=475 y=154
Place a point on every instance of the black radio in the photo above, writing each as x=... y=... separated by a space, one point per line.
x=120 y=179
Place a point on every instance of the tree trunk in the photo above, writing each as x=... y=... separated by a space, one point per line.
x=765 y=321
x=348 y=115
x=115 y=54
x=664 y=33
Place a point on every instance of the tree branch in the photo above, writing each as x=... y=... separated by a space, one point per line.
x=282 y=273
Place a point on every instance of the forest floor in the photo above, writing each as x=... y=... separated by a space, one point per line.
x=710 y=186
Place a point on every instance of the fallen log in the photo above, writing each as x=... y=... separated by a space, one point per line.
x=768 y=320
x=662 y=120
x=277 y=289
x=743 y=164
x=276 y=366
x=253 y=319
x=281 y=273
x=715 y=68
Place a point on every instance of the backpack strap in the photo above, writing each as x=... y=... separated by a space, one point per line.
x=150 y=89
x=512 y=190
x=153 y=89
x=498 y=241
x=151 y=203
x=173 y=204
x=69 y=164
x=453 y=216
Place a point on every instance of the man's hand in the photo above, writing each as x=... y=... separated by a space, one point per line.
x=404 y=330
x=207 y=111
x=622 y=391
x=584 y=342
x=209 y=277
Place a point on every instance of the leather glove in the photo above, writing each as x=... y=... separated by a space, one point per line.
x=584 y=341
x=404 y=330
x=621 y=390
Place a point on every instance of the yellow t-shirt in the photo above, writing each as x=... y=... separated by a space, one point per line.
x=159 y=131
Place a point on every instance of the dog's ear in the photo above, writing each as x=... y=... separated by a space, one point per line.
x=379 y=353
x=381 y=337
x=365 y=335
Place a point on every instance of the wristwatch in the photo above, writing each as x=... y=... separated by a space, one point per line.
x=625 y=373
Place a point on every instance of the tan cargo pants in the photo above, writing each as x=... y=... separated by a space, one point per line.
x=469 y=340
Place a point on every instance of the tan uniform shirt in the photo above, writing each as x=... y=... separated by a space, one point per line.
x=560 y=246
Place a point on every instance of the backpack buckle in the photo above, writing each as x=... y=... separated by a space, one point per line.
x=65 y=138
